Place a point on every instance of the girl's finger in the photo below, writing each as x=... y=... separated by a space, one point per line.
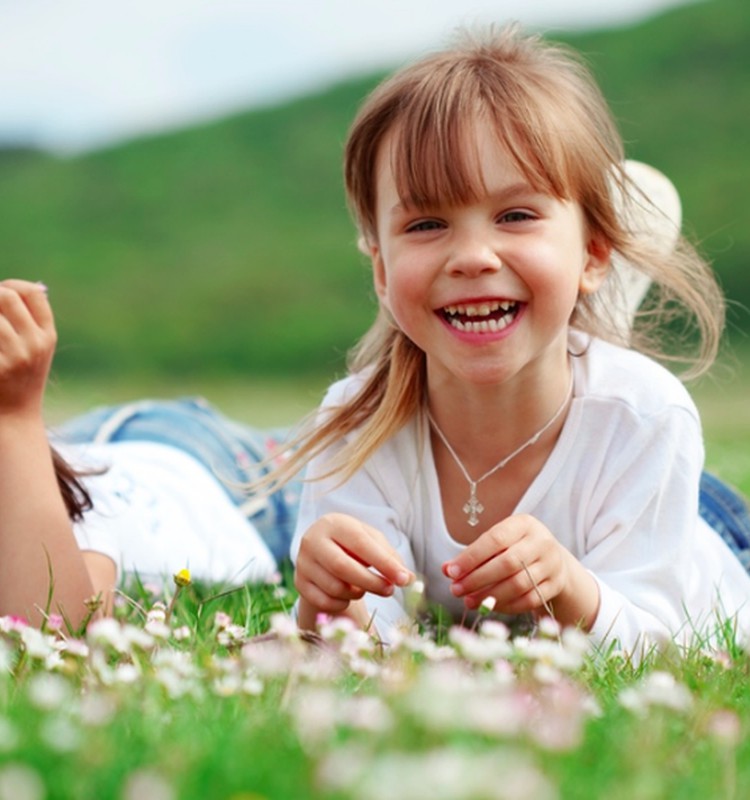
x=26 y=307
x=317 y=598
x=331 y=584
x=353 y=571
x=506 y=567
x=496 y=540
x=523 y=592
x=378 y=571
x=21 y=286
x=538 y=597
x=38 y=304
x=372 y=550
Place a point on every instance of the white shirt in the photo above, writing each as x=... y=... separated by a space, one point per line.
x=158 y=510
x=619 y=491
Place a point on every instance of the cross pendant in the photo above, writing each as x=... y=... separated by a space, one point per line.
x=473 y=507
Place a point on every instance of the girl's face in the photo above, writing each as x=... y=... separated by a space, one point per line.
x=486 y=288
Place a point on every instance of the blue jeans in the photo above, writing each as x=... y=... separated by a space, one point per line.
x=727 y=513
x=231 y=451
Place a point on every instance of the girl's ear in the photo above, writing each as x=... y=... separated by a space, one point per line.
x=378 y=271
x=597 y=265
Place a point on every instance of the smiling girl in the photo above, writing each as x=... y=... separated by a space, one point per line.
x=500 y=433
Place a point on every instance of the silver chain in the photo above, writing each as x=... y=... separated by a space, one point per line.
x=473 y=507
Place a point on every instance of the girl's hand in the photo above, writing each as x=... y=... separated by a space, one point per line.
x=521 y=564
x=27 y=344
x=340 y=560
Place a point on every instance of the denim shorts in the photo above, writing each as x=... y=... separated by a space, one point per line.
x=726 y=511
x=229 y=450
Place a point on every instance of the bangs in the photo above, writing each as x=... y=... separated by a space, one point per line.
x=545 y=111
x=433 y=146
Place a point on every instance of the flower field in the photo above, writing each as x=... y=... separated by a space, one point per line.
x=192 y=693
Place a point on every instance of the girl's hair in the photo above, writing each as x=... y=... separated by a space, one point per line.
x=554 y=123
x=75 y=496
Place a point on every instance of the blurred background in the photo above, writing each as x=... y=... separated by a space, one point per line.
x=171 y=170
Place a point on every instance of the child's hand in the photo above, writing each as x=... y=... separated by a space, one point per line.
x=334 y=564
x=27 y=344
x=521 y=564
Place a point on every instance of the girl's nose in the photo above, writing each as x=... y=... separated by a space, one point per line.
x=473 y=255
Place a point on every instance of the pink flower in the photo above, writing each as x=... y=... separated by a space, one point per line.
x=12 y=624
x=55 y=622
x=725 y=726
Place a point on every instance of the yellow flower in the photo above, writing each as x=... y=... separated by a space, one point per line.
x=182 y=578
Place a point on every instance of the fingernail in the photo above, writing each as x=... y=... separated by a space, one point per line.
x=452 y=571
x=457 y=589
x=42 y=286
x=402 y=577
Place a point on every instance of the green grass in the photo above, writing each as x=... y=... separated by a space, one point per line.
x=723 y=399
x=196 y=707
x=263 y=401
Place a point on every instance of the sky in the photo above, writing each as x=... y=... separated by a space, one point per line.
x=81 y=74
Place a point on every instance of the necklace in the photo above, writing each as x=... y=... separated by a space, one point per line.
x=472 y=508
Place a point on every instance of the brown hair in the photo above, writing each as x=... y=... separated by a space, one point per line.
x=553 y=121
x=75 y=496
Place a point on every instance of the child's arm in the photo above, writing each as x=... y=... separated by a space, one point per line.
x=341 y=559
x=521 y=564
x=35 y=533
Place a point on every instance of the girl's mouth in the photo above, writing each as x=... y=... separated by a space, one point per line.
x=488 y=316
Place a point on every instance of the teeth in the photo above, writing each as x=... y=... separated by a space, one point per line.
x=481 y=310
x=492 y=325
x=483 y=326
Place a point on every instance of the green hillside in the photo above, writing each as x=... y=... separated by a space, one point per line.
x=227 y=248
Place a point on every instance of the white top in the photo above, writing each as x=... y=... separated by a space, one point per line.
x=158 y=510
x=619 y=491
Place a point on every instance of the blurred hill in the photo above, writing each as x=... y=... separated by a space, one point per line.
x=227 y=248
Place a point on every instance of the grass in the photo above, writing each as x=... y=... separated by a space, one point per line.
x=722 y=400
x=264 y=402
x=208 y=703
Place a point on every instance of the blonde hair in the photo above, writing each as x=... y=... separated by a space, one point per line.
x=553 y=121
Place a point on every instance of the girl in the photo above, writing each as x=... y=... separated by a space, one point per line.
x=150 y=487
x=501 y=434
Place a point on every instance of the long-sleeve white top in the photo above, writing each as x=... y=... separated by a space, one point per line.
x=619 y=491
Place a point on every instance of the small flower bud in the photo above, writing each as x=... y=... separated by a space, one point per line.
x=182 y=578
x=487 y=605
x=93 y=603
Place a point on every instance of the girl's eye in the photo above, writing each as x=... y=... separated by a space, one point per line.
x=515 y=216
x=424 y=225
